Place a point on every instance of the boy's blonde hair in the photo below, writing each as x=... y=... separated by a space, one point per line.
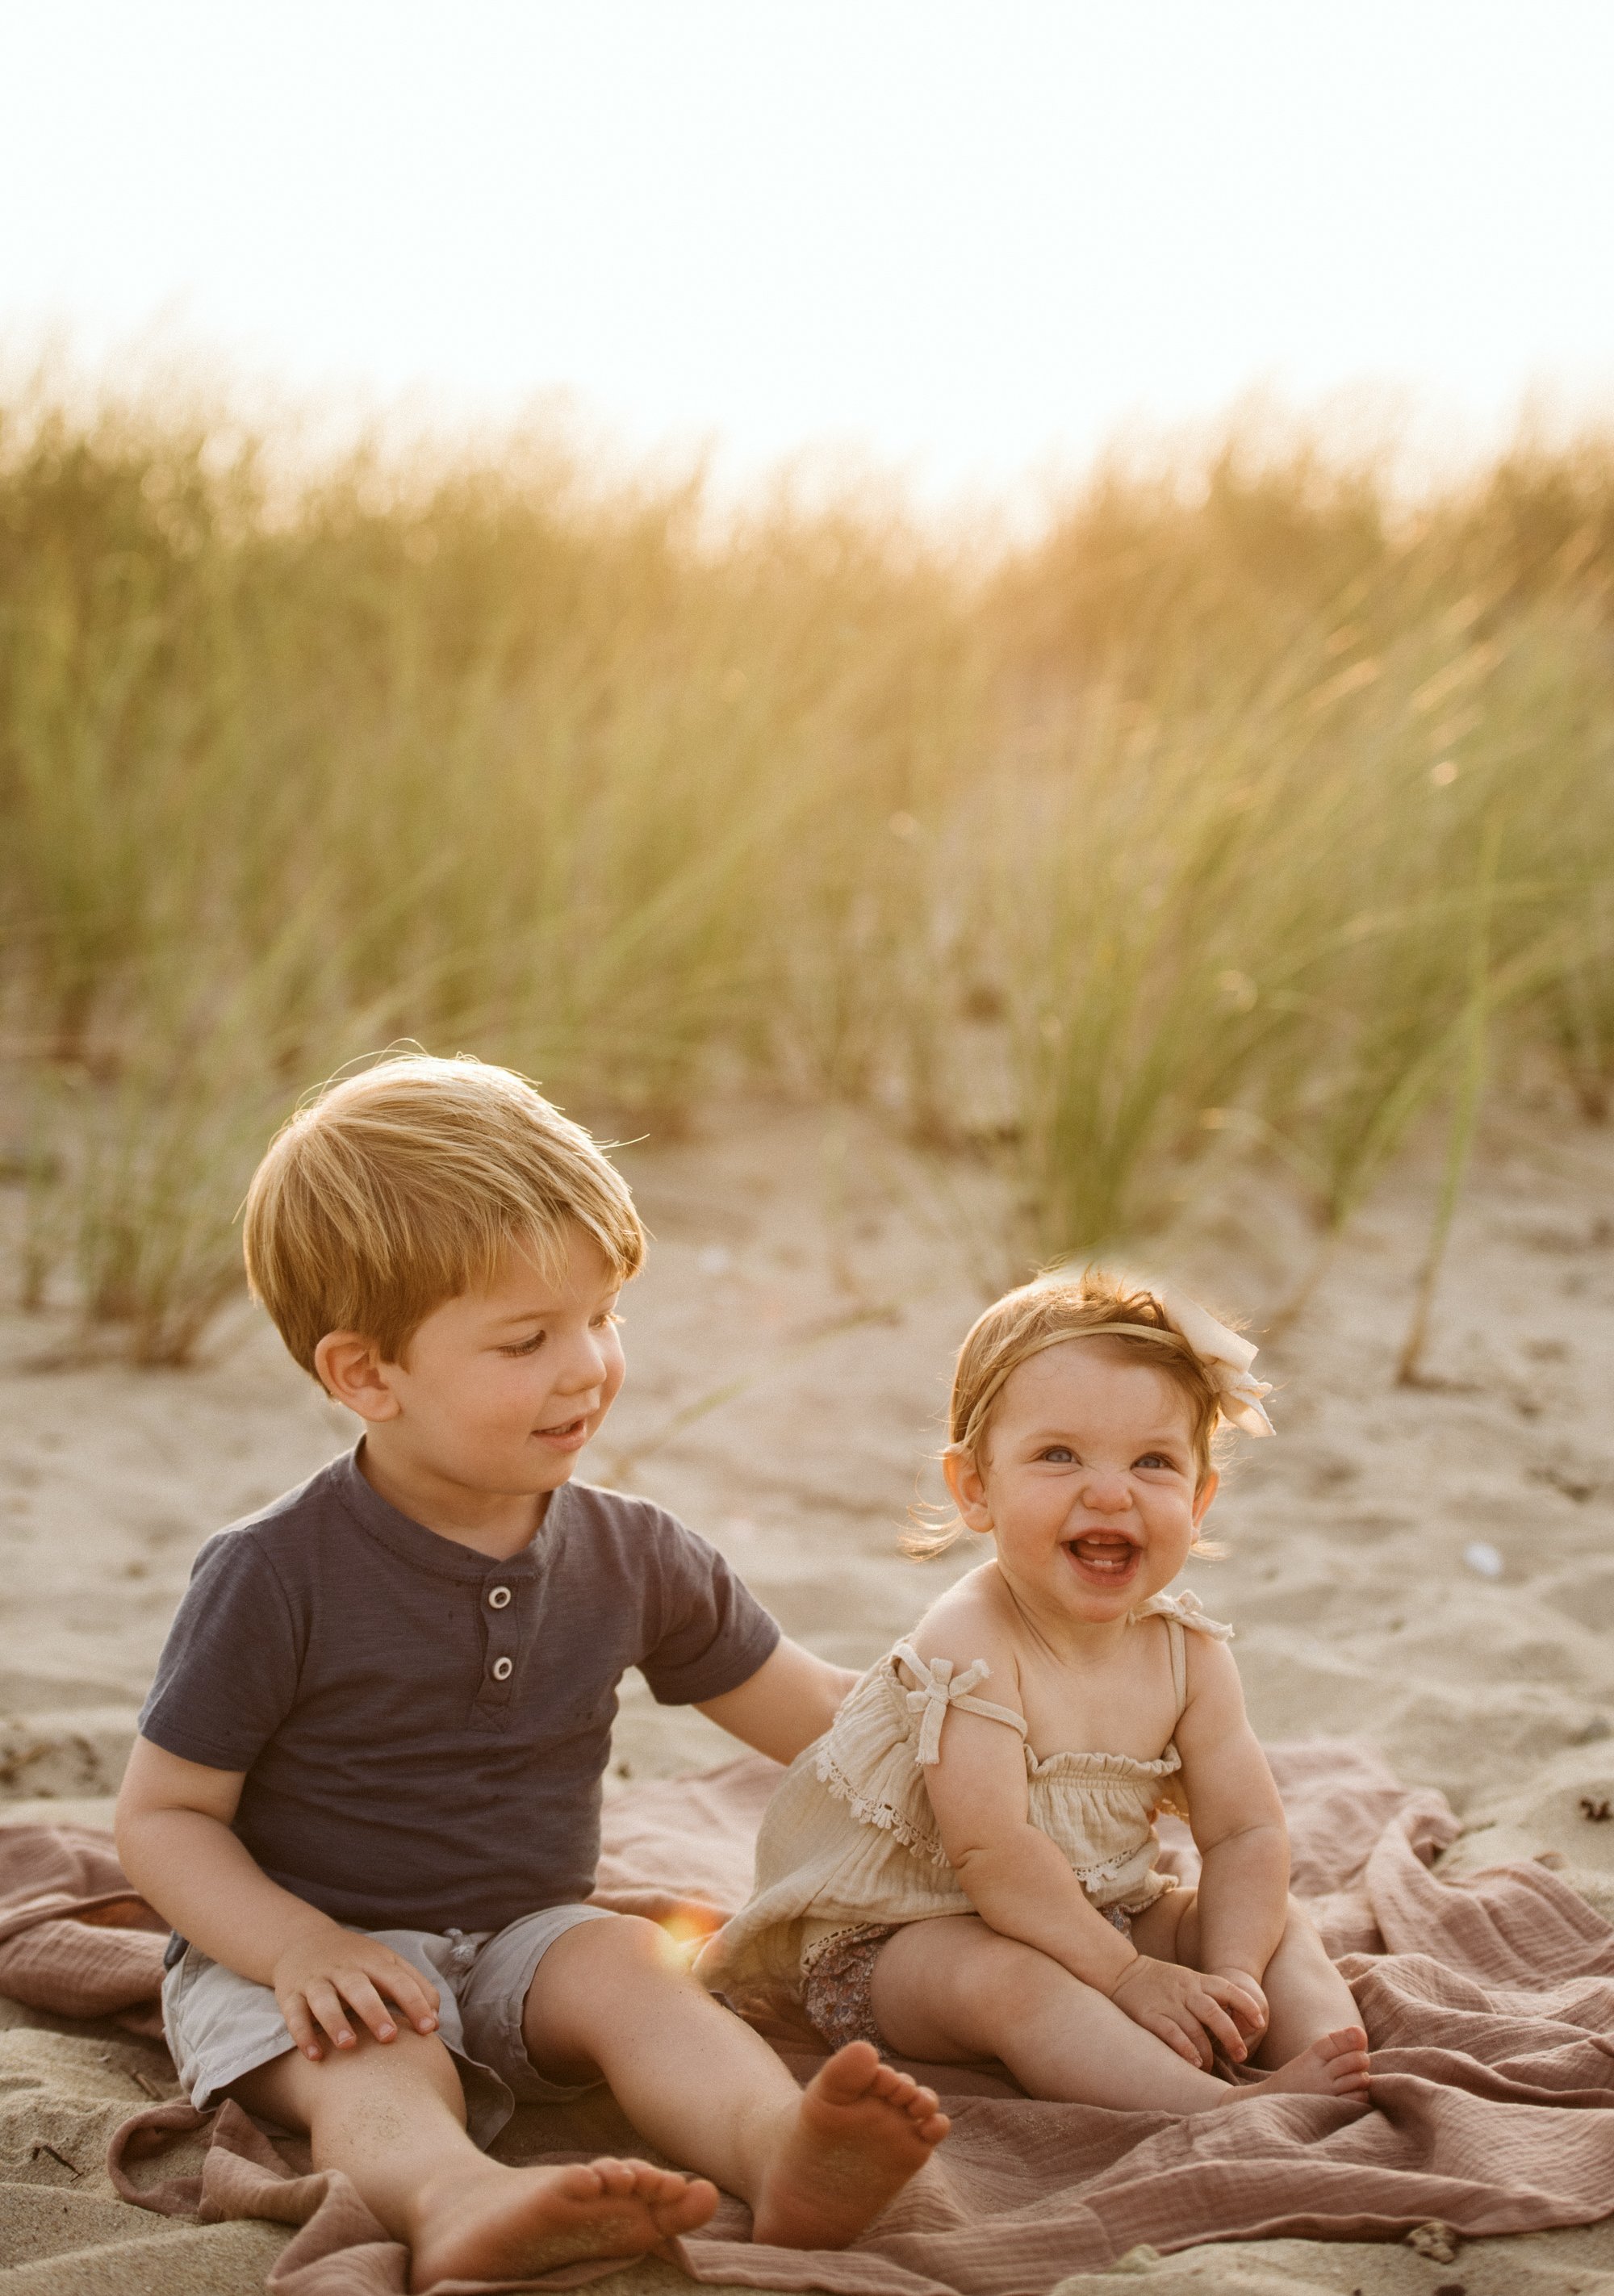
x=1024 y=1321
x=406 y=1186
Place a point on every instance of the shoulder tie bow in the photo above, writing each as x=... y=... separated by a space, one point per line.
x=930 y=1703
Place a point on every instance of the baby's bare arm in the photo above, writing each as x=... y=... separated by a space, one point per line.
x=791 y=1700
x=176 y=1845
x=1020 y=1883
x=1236 y=1815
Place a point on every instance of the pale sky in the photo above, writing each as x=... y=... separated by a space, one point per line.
x=962 y=237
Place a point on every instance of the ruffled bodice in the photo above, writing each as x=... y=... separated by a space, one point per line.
x=850 y=1836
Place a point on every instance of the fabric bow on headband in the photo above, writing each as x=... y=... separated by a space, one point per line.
x=1224 y=1355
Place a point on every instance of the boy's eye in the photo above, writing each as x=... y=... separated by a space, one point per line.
x=1058 y=1455
x=526 y=1347
x=605 y=1318
x=1156 y=1459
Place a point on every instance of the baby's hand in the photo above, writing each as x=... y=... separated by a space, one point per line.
x=1251 y=2029
x=325 y=1973
x=1189 y=2008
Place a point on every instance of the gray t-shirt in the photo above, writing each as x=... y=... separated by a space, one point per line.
x=424 y=1730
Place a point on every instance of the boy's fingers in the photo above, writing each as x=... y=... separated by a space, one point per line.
x=366 y=2003
x=301 y=2026
x=327 y=2010
x=415 y=1998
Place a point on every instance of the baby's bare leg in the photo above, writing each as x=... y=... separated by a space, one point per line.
x=1306 y=1994
x=1310 y=2005
x=614 y=1998
x=392 y=2116
x=952 y=1989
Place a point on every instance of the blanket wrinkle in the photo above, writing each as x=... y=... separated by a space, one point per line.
x=74 y=1938
x=1489 y=1999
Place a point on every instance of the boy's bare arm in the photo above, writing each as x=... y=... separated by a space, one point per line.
x=176 y=1845
x=791 y=1700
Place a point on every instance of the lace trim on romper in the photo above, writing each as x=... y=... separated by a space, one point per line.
x=838 y=1971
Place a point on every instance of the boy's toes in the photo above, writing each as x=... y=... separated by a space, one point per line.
x=692 y=2202
x=614 y=2176
x=853 y=2072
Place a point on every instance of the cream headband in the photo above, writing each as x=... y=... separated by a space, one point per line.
x=1222 y=1354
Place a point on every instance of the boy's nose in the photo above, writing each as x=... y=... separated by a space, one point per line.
x=583 y=1370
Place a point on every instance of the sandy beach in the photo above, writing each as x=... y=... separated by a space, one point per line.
x=1429 y=1569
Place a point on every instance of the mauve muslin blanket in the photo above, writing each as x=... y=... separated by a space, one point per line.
x=1489 y=2003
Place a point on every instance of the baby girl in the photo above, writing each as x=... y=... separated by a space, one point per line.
x=965 y=1865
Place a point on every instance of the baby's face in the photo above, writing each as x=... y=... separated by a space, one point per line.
x=1088 y=1481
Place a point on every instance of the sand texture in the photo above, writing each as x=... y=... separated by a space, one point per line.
x=788 y=1352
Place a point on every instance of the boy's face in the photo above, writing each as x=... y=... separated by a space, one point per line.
x=502 y=1389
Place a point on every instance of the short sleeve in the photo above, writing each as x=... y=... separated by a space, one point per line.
x=713 y=1633
x=227 y=1677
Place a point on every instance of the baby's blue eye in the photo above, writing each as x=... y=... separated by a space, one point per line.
x=1155 y=1459
x=1060 y=1455
x=527 y=1347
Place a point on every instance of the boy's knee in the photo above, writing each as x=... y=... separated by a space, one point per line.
x=626 y=1943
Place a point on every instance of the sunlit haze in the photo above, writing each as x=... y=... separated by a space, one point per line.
x=961 y=237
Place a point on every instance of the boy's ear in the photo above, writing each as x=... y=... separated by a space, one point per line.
x=350 y=1370
x=1203 y=1498
x=969 y=1491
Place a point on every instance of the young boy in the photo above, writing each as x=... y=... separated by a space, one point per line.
x=366 y=1790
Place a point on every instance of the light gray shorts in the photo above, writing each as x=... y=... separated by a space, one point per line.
x=220 y=2026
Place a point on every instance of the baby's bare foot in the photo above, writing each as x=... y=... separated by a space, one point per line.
x=507 y=2223
x=860 y=2130
x=1335 y=2066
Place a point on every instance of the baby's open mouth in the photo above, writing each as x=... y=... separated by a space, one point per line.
x=1103 y=1558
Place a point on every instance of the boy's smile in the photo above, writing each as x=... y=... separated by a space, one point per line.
x=497 y=1392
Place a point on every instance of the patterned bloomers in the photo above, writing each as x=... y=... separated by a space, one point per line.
x=837 y=1985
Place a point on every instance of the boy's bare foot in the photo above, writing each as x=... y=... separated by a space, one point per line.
x=496 y=2222
x=860 y=2130
x=1335 y=2066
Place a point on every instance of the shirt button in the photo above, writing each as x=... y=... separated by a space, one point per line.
x=498 y=1597
x=503 y=1668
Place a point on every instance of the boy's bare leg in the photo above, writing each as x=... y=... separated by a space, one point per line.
x=393 y=2116
x=954 y=1989
x=816 y=2165
x=1306 y=1995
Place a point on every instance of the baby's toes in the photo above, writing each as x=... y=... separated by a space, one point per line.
x=923 y=2103
x=614 y=2176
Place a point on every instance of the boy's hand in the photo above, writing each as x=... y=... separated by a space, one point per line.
x=324 y=1974
x=1189 y=2008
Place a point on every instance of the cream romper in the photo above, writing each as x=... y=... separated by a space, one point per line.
x=848 y=1848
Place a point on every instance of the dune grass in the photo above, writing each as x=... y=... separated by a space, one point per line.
x=1250 y=801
